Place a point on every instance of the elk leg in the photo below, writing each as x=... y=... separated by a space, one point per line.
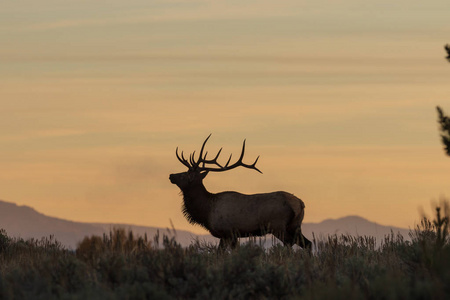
x=305 y=243
x=301 y=240
x=224 y=242
x=233 y=242
x=285 y=238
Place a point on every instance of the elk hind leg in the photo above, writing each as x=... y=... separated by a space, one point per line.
x=301 y=240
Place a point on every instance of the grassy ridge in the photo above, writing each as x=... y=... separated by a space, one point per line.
x=122 y=266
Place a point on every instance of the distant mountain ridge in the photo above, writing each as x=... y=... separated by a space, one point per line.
x=354 y=225
x=26 y=222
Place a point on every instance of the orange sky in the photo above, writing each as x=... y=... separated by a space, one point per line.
x=338 y=98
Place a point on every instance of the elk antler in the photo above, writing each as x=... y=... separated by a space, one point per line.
x=238 y=163
x=182 y=159
x=192 y=164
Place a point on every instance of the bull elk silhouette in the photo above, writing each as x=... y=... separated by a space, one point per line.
x=231 y=215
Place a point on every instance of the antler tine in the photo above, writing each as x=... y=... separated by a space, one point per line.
x=182 y=156
x=214 y=161
x=253 y=166
x=241 y=157
x=182 y=159
x=192 y=160
x=200 y=157
x=211 y=161
x=229 y=159
x=218 y=153
x=242 y=153
x=238 y=163
x=204 y=160
x=241 y=163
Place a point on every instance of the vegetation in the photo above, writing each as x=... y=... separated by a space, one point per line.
x=122 y=266
x=444 y=123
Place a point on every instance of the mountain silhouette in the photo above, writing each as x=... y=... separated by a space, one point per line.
x=25 y=222
x=353 y=225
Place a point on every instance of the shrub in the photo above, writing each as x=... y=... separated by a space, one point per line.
x=123 y=266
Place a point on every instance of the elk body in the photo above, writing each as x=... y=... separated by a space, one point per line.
x=231 y=215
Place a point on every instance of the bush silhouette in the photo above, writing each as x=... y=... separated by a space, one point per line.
x=120 y=265
x=444 y=123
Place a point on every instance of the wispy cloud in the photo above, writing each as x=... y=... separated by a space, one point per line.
x=318 y=15
x=170 y=11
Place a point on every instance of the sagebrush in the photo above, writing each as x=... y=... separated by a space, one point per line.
x=123 y=266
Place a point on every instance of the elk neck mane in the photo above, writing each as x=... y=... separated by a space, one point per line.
x=197 y=204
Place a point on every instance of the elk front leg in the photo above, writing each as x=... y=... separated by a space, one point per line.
x=305 y=243
x=225 y=242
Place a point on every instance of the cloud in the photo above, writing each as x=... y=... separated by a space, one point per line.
x=142 y=13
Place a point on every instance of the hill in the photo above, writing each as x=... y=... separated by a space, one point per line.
x=26 y=222
x=352 y=225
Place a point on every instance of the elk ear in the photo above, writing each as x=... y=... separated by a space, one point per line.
x=203 y=175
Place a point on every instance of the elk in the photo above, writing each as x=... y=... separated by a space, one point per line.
x=231 y=215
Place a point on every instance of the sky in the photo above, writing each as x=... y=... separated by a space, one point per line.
x=337 y=97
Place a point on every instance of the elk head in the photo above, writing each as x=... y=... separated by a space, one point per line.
x=199 y=168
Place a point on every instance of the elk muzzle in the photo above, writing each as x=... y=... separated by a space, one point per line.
x=173 y=178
